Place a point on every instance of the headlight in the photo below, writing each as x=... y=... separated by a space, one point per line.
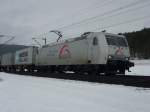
x=109 y=57
x=127 y=58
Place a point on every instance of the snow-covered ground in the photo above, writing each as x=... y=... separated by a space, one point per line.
x=142 y=67
x=36 y=94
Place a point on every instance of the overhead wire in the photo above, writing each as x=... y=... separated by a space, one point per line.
x=103 y=14
x=126 y=11
x=128 y=21
x=117 y=24
x=130 y=5
x=121 y=13
x=103 y=3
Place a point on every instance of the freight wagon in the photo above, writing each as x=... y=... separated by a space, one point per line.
x=19 y=60
x=7 y=61
x=25 y=58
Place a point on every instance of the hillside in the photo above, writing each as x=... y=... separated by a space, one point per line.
x=139 y=42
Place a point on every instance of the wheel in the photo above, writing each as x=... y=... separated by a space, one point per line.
x=122 y=71
x=110 y=73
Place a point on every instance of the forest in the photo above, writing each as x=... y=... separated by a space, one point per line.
x=139 y=43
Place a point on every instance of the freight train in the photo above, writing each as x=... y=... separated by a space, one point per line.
x=92 y=52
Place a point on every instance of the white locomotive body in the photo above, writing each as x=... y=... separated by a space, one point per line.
x=106 y=52
x=64 y=53
x=89 y=49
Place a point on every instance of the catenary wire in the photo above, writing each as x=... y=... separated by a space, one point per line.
x=103 y=14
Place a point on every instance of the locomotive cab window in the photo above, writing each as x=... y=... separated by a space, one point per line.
x=116 y=41
x=95 y=41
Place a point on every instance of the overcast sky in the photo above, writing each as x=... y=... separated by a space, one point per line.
x=25 y=19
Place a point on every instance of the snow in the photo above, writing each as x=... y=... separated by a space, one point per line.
x=142 y=67
x=35 y=94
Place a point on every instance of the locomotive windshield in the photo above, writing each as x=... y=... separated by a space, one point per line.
x=117 y=41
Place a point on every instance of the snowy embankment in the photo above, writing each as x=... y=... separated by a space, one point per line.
x=36 y=94
x=142 y=67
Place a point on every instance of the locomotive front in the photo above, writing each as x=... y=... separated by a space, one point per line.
x=118 y=59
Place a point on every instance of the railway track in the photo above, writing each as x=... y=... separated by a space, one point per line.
x=127 y=80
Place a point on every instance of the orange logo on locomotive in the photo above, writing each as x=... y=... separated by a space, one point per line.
x=64 y=52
